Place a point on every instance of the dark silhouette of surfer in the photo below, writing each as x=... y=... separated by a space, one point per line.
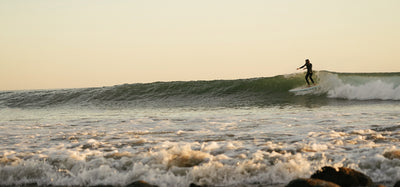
x=308 y=65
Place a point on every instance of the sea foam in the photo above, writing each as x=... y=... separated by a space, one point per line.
x=360 y=88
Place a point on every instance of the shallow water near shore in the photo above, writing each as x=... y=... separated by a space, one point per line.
x=176 y=147
x=236 y=138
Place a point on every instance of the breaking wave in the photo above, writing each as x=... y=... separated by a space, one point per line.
x=242 y=92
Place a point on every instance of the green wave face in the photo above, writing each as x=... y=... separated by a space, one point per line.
x=334 y=88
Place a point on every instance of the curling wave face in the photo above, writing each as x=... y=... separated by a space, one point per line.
x=241 y=92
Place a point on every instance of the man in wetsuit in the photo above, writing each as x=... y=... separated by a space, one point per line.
x=308 y=65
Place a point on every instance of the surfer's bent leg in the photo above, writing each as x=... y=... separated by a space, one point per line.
x=307 y=78
x=311 y=78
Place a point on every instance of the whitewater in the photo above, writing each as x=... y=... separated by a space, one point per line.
x=245 y=132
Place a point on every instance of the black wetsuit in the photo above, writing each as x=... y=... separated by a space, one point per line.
x=309 y=72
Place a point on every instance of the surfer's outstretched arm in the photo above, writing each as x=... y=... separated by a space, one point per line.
x=301 y=66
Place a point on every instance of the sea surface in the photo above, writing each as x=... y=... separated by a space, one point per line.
x=246 y=132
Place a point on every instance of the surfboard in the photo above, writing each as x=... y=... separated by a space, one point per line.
x=303 y=89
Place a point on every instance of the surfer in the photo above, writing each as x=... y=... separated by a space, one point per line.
x=308 y=65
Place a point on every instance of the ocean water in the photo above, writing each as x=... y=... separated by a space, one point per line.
x=247 y=132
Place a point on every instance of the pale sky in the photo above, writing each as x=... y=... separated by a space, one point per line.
x=77 y=43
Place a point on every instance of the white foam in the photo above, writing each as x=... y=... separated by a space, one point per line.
x=366 y=89
x=179 y=163
x=268 y=146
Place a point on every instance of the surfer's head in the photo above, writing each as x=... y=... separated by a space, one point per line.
x=307 y=61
